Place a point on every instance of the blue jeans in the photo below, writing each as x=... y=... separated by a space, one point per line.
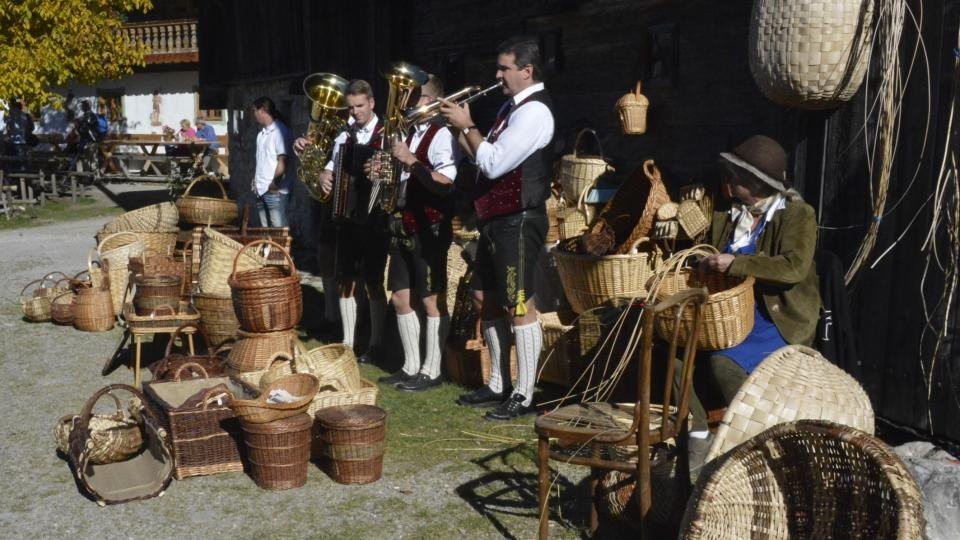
x=272 y=209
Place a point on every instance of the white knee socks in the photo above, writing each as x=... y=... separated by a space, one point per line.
x=409 y=326
x=431 y=366
x=348 y=317
x=529 y=344
x=497 y=335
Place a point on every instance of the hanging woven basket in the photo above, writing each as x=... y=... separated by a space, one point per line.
x=810 y=54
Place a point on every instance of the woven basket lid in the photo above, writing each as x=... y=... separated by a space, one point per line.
x=351 y=416
x=633 y=98
x=297 y=422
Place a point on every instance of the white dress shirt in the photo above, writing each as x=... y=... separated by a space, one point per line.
x=444 y=151
x=529 y=129
x=269 y=149
x=364 y=134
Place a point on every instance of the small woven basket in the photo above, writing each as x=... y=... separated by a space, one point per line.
x=632 y=112
x=61 y=308
x=114 y=437
x=352 y=440
x=37 y=305
x=256 y=351
x=199 y=210
x=806 y=479
x=156 y=291
x=334 y=365
x=302 y=386
x=266 y=299
x=279 y=451
x=93 y=309
x=216 y=262
x=573 y=220
x=693 y=222
x=579 y=172
x=590 y=281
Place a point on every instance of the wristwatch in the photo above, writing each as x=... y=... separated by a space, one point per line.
x=467 y=129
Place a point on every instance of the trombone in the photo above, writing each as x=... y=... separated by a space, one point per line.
x=430 y=111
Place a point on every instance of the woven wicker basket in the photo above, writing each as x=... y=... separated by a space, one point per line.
x=267 y=299
x=645 y=186
x=728 y=311
x=693 y=222
x=793 y=383
x=159 y=216
x=255 y=351
x=93 y=309
x=279 y=451
x=216 y=262
x=806 y=479
x=61 y=308
x=579 y=172
x=334 y=365
x=302 y=386
x=572 y=220
x=156 y=291
x=352 y=440
x=36 y=306
x=632 y=112
x=811 y=55
x=207 y=210
x=591 y=281
x=114 y=437
x=217 y=318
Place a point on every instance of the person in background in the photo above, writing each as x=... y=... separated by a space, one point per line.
x=205 y=132
x=270 y=184
x=186 y=132
x=769 y=233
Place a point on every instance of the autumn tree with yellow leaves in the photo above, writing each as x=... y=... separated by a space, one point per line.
x=46 y=43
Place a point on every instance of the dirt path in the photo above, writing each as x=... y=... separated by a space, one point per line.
x=47 y=371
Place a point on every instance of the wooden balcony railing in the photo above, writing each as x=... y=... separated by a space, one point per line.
x=166 y=41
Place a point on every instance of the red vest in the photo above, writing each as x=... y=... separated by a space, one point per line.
x=422 y=208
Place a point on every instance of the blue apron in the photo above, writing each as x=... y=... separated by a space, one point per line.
x=764 y=338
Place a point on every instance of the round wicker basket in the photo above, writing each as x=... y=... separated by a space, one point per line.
x=590 y=281
x=632 y=112
x=728 y=311
x=114 y=437
x=198 y=210
x=577 y=172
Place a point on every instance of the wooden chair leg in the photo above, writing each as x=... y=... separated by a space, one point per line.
x=543 y=480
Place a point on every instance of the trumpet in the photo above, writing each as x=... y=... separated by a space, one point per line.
x=431 y=110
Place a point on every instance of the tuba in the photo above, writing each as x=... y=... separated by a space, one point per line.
x=328 y=94
x=403 y=79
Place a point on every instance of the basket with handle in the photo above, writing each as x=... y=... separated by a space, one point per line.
x=572 y=220
x=200 y=210
x=333 y=364
x=302 y=386
x=118 y=248
x=148 y=218
x=93 y=307
x=144 y=475
x=579 y=171
x=266 y=299
x=61 y=308
x=217 y=258
x=36 y=305
x=217 y=317
x=210 y=361
x=113 y=437
x=623 y=214
x=728 y=310
x=632 y=112
x=590 y=281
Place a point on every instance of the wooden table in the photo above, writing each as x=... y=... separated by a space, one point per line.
x=150 y=151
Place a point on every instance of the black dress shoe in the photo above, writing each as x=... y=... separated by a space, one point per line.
x=394 y=378
x=371 y=356
x=511 y=408
x=419 y=382
x=484 y=397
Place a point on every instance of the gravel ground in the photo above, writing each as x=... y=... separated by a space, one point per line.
x=47 y=371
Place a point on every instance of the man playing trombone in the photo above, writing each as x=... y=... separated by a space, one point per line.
x=515 y=161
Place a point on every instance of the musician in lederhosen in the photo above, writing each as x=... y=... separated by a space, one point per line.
x=362 y=239
x=515 y=161
x=421 y=237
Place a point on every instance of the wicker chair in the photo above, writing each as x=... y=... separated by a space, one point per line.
x=806 y=479
x=597 y=430
x=793 y=383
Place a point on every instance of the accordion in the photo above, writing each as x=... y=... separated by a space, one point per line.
x=351 y=188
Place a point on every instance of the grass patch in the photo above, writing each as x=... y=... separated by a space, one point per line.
x=56 y=211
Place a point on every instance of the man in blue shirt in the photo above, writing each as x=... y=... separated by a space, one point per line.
x=205 y=132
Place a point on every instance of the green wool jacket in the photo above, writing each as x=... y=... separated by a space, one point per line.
x=786 y=277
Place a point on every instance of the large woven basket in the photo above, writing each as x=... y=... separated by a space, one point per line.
x=256 y=351
x=114 y=437
x=118 y=248
x=279 y=451
x=217 y=318
x=216 y=262
x=806 y=479
x=727 y=313
x=200 y=210
x=149 y=218
x=334 y=365
x=260 y=410
x=590 y=281
x=93 y=309
x=156 y=291
x=577 y=172
x=793 y=383
x=267 y=299
x=352 y=440
x=631 y=211
x=811 y=54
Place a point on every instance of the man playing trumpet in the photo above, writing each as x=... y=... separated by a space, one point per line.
x=515 y=161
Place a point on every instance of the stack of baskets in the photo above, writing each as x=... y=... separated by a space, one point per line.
x=266 y=299
x=156 y=225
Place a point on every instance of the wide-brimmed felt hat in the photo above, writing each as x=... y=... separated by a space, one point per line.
x=762 y=158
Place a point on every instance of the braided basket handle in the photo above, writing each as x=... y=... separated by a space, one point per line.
x=192 y=366
x=293 y=269
x=207 y=178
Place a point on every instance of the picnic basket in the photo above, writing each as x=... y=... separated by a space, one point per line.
x=145 y=475
x=201 y=210
x=590 y=281
x=266 y=299
x=578 y=172
x=204 y=431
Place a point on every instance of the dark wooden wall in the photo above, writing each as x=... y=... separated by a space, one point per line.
x=692 y=58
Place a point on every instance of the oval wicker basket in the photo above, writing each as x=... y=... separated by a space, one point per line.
x=255 y=351
x=113 y=437
x=578 y=172
x=632 y=112
x=590 y=281
x=727 y=313
x=199 y=210
x=302 y=386
x=160 y=216
x=93 y=309
x=266 y=299
x=217 y=255
x=334 y=365
x=36 y=307
x=811 y=55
